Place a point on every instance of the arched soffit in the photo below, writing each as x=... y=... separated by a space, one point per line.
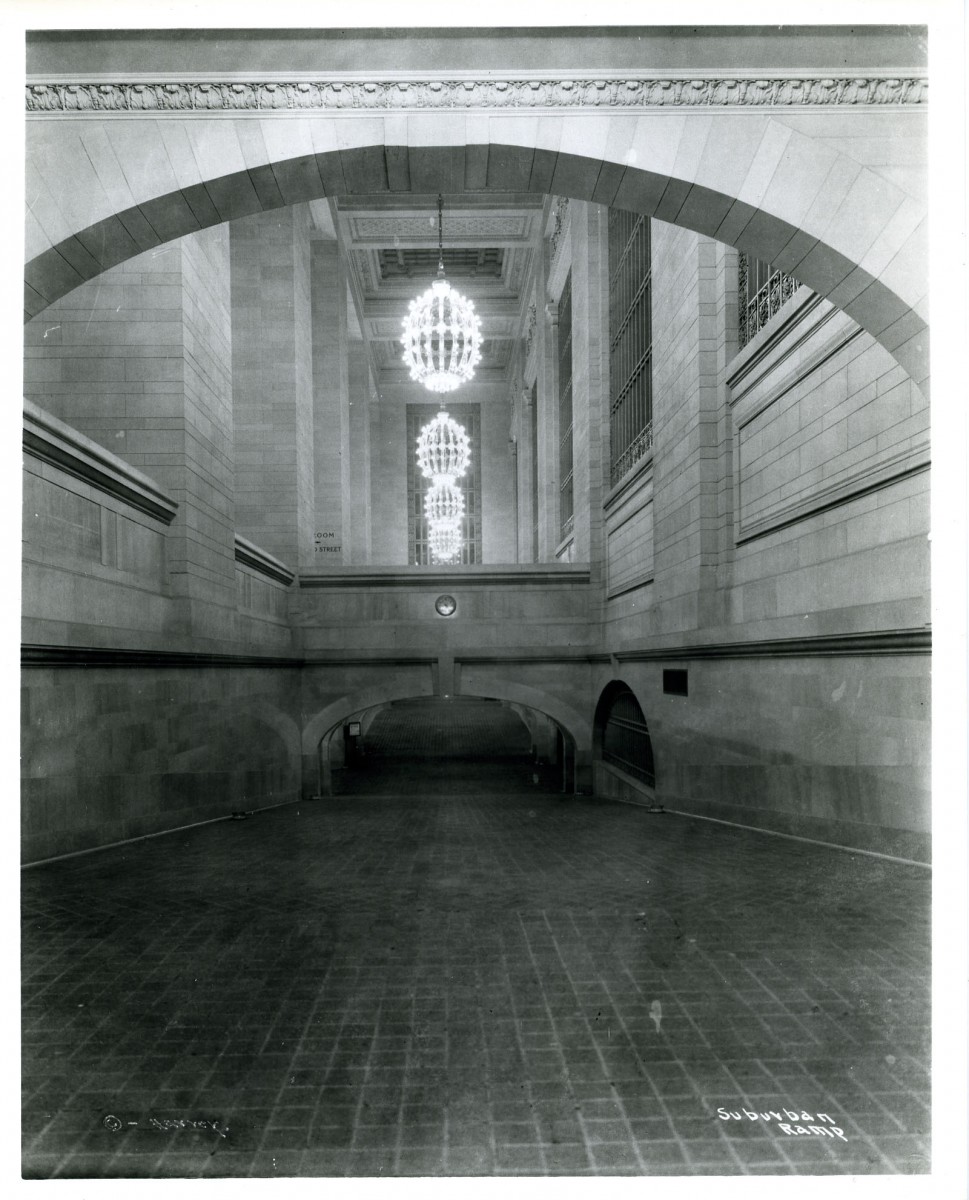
x=335 y=713
x=742 y=176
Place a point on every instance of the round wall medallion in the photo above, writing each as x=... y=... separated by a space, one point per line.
x=447 y=606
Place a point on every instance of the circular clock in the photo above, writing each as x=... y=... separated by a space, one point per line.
x=446 y=605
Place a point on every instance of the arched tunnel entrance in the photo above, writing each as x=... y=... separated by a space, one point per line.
x=436 y=746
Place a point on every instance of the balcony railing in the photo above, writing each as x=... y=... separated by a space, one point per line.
x=638 y=448
x=766 y=302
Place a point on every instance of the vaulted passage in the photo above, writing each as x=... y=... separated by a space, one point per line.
x=456 y=985
x=438 y=746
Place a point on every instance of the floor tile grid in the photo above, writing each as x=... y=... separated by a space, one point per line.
x=695 y=1151
x=759 y=1104
x=800 y=993
x=649 y=1071
x=794 y=1150
x=600 y=1157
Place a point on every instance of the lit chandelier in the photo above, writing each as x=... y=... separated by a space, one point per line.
x=441 y=330
x=443 y=455
x=445 y=544
x=443 y=449
x=444 y=506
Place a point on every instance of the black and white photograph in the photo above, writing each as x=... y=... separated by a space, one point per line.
x=477 y=612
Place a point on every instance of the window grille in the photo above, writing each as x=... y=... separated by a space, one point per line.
x=468 y=415
x=630 y=342
x=764 y=290
x=625 y=738
x=533 y=435
x=565 y=408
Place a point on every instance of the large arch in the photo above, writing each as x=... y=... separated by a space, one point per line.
x=337 y=711
x=776 y=187
x=323 y=724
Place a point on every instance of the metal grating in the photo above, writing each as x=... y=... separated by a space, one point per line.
x=565 y=408
x=625 y=739
x=630 y=342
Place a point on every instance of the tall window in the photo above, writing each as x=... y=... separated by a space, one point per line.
x=625 y=737
x=468 y=415
x=565 y=408
x=764 y=289
x=630 y=342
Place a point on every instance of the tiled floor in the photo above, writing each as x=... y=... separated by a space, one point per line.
x=474 y=984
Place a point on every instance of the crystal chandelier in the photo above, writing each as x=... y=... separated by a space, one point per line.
x=445 y=544
x=443 y=455
x=444 y=506
x=443 y=449
x=441 y=330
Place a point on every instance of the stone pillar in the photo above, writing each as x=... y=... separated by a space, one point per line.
x=590 y=377
x=356 y=467
x=140 y=360
x=525 y=457
x=272 y=382
x=687 y=429
x=331 y=399
x=546 y=331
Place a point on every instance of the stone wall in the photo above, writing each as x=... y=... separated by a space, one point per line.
x=111 y=753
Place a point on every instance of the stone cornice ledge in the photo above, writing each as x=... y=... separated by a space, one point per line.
x=476 y=575
x=251 y=555
x=54 y=442
x=889 y=641
x=173 y=93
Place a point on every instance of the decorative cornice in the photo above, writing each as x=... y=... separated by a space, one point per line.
x=52 y=441
x=352 y=93
x=252 y=556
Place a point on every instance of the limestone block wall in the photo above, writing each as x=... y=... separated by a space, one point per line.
x=498 y=539
x=373 y=612
x=94 y=542
x=139 y=360
x=273 y=382
x=789 y=493
x=835 y=748
x=628 y=514
x=832 y=487
x=117 y=752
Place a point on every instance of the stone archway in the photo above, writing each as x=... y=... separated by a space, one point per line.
x=756 y=163
x=323 y=723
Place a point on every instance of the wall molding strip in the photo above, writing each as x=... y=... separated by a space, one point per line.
x=476 y=575
x=862 y=483
x=890 y=641
x=250 y=555
x=52 y=441
x=886 y=642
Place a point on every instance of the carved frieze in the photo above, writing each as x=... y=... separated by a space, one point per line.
x=451 y=93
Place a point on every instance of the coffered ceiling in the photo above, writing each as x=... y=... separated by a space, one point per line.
x=390 y=244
